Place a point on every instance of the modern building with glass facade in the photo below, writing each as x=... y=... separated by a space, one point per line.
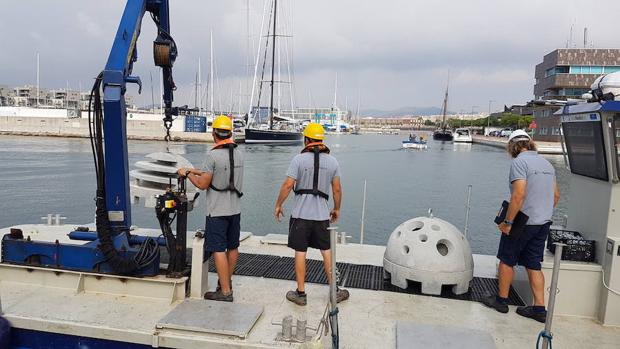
x=567 y=73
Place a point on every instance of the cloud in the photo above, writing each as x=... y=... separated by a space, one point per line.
x=391 y=52
x=89 y=25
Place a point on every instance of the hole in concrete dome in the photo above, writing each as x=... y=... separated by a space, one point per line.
x=405 y=249
x=435 y=227
x=442 y=247
x=415 y=226
x=398 y=234
x=423 y=237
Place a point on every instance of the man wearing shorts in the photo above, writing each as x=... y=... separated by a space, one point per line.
x=222 y=178
x=534 y=192
x=311 y=175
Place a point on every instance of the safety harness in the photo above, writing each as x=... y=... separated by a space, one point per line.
x=317 y=148
x=228 y=143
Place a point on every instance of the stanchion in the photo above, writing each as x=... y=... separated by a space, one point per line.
x=333 y=306
x=546 y=335
x=467 y=209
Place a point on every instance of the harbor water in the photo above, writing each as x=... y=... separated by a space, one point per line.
x=55 y=175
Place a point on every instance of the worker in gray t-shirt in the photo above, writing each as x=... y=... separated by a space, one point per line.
x=222 y=178
x=534 y=193
x=312 y=175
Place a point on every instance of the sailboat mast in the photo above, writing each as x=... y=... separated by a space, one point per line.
x=196 y=89
x=445 y=104
x=273 y=61
x=445 y=107
x=211 y=76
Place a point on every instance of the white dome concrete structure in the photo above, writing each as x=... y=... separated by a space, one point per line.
x=430 y=251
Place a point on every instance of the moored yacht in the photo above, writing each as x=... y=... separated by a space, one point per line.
x=462 y=135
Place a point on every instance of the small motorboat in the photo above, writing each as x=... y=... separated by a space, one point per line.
x=415 y=143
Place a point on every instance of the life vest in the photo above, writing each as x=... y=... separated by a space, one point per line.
x=317 y=148
x=230 y=144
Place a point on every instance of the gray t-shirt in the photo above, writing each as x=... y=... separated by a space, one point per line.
x=308 y=206
x=223 y=203
x=540 y=177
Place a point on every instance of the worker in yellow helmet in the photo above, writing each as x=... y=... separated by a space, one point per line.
x=222 y=178
x=311 y=175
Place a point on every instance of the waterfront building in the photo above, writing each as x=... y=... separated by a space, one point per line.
x=565 y=74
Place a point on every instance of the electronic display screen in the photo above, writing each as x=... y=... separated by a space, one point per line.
x=586 y=149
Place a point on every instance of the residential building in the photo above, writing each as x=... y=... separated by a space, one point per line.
x=567 y=74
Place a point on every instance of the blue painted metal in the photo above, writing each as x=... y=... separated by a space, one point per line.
x=92 y=236
x=119 y=66
x=116 y=75
x=86 y=257
x=29 y=339
x=608 y=106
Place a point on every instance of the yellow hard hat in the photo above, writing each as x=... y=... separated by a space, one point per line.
x=223 y=122
x=315 y=131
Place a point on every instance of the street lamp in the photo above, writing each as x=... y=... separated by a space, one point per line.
x=471 y=120
x=489 y=117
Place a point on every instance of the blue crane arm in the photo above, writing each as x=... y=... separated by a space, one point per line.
x=116 y=75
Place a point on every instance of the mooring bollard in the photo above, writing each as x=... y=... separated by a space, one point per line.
x=287 y=328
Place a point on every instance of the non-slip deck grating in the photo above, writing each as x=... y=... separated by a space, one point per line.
x=368 y=277
x=258 y=265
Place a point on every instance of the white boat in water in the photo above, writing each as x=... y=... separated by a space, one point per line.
x=462 y=135
x=415 y=143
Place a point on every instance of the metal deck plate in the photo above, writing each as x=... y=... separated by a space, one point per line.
x=411 y=335
x=232 y=319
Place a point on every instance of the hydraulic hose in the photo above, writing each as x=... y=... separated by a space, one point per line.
x=149 y=251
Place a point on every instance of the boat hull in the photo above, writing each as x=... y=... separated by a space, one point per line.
x=414 y=145
x=458 y=139
x=443 y=136
x=254 y=136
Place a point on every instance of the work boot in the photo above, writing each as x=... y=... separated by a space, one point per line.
x=297 y=297
x=342 y=295
x=492 y=301
x=219 y=296
x=537 y=313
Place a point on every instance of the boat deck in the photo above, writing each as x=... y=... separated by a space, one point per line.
x=367 y=320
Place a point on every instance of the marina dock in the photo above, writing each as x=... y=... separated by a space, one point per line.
x=548 y=148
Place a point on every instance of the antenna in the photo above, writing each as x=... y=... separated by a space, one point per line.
x=585 y=37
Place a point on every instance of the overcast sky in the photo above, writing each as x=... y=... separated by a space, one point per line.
x=395 y=53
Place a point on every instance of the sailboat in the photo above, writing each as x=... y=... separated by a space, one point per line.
x=278 y=129
x=444 y=134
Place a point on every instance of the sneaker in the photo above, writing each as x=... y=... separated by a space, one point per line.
x=492 y=302
x=219 y=287
x=530 y=311
x=342 y=295
x=295 y=297
x=219 y=296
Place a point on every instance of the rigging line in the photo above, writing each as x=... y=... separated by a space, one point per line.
x=290 y=59
x=260 y=90
x=251 y=116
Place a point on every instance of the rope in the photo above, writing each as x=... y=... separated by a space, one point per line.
x=546 y=335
